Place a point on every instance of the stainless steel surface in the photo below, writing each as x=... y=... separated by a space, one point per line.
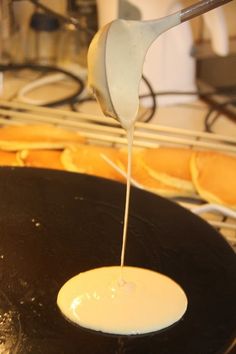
x=200 y=8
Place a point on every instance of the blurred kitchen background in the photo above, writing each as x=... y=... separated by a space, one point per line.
x=189 y=72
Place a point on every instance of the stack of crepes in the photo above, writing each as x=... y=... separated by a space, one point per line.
x=166 y=171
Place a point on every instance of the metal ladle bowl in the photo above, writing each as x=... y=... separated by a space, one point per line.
x=116 y=56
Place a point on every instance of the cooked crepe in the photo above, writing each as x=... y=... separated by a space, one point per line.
x=142 y=176
x=88 y=159
x=42 y=159
x=36 y=136
x=170 y=166
x=8 y=158
x=214 y=176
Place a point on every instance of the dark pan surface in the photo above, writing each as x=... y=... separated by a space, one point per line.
x=54 y=225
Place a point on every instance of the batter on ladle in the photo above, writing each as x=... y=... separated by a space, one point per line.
x=121 y=299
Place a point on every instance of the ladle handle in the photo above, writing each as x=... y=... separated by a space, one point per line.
x=200 y=8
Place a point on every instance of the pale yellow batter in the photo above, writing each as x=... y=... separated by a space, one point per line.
x=145 y=301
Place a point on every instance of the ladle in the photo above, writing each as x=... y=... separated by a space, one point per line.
x=116 y=56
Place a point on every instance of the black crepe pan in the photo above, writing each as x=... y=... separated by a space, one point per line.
x=55 y=224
